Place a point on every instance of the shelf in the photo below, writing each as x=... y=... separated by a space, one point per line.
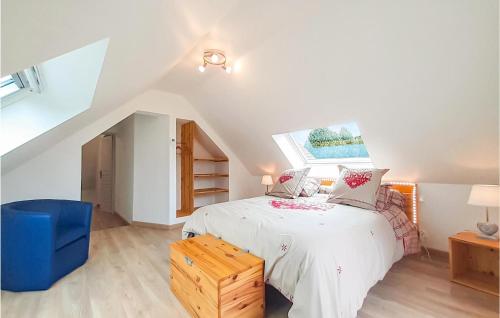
x=480 y=281
x=209 y=191
x=212 y=159
x=181 y=213
x=211 y=175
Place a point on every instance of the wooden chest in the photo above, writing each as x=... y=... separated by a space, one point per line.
x=213 y=278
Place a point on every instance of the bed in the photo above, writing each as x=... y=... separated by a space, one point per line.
x=323 y=257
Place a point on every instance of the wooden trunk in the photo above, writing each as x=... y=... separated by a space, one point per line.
x=213 y=278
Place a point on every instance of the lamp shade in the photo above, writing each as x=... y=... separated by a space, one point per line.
x=267 y=180
x=485 y=195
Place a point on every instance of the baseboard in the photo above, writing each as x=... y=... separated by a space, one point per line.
x=438 y=254
x=158 y=226
x=121 y=217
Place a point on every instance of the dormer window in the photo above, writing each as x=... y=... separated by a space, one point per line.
x=323 y=149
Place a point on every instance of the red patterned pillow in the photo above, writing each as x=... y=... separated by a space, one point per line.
x=387 y=198
x=391 y=204
x=290 y=183
x=357 y=187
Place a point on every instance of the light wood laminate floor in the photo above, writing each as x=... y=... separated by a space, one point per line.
x=127 y=276
x=102 y=220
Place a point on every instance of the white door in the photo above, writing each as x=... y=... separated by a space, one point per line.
x=105 y=170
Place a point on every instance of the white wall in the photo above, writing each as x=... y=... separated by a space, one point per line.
x=124 y=168
x=56 y=172
x=444 y=212
x=151 y=169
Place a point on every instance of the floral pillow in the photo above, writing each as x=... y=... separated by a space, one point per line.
x=290 y=183
x=357 y=187
x=311 y=187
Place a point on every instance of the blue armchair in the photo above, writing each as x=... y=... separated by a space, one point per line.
x=42 y=241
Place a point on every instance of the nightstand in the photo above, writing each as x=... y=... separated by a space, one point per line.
x=474 y=262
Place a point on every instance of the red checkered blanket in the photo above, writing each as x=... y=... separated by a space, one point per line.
x=391 y=204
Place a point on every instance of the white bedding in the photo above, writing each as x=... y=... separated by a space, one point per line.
x=323 y=261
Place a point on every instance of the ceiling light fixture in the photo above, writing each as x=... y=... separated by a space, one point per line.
x=216 y=58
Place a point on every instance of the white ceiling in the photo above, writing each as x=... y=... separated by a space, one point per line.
x=146 y=38
x=419 y=77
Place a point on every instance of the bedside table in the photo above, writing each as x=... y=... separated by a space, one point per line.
x=474 y=262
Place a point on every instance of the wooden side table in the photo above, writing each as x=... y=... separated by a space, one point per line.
x=474 y=262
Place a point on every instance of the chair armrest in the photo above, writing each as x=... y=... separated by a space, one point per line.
x=31 y=234
x=77 y=212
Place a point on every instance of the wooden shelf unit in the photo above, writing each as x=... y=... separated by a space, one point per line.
x=209 y=191
x=211 y=175
x=474 y=262
x=212 y=159
x=207 y=170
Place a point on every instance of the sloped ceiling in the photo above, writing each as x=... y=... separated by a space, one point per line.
x=420 y=78
x=146 y=38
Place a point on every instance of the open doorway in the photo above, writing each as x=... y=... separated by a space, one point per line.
x=125 y=172
x=98 y=166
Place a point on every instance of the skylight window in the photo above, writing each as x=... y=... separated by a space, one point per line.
x=8 y=86
x=13 y=84
x=323 y=149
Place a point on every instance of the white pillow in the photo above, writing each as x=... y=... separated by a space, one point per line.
x=290 y=183
x=311 y=187
x=357 y=187
x=326 y=189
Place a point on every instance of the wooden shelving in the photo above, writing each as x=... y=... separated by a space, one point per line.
x=480 y=281
x=204 y=169
x=211 y=175
x=474 y=262
x=181 y=213
x=212 y=159
x=209 y=191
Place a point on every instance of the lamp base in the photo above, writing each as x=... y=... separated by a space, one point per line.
x=487 y=237
x=487 y=230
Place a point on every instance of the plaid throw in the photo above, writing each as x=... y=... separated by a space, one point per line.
x=391 y=204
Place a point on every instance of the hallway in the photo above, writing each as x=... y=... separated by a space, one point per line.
x=105 y=220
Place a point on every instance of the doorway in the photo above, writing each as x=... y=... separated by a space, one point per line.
x=98 y=166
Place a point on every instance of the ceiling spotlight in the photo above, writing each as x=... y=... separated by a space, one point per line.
x=216 y=58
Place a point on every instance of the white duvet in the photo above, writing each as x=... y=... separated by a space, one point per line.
x=324 y=261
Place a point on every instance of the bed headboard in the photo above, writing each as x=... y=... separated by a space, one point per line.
x=409 y=190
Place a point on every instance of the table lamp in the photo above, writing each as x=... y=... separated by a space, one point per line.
x=267 y=180
x=486 y=196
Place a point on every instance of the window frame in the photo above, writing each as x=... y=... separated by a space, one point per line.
x=27 y=81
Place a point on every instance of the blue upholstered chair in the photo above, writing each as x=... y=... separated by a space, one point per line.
x=42 y=241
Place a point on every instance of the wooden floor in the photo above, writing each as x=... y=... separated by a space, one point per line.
x=127 y=276
x=102 y=220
